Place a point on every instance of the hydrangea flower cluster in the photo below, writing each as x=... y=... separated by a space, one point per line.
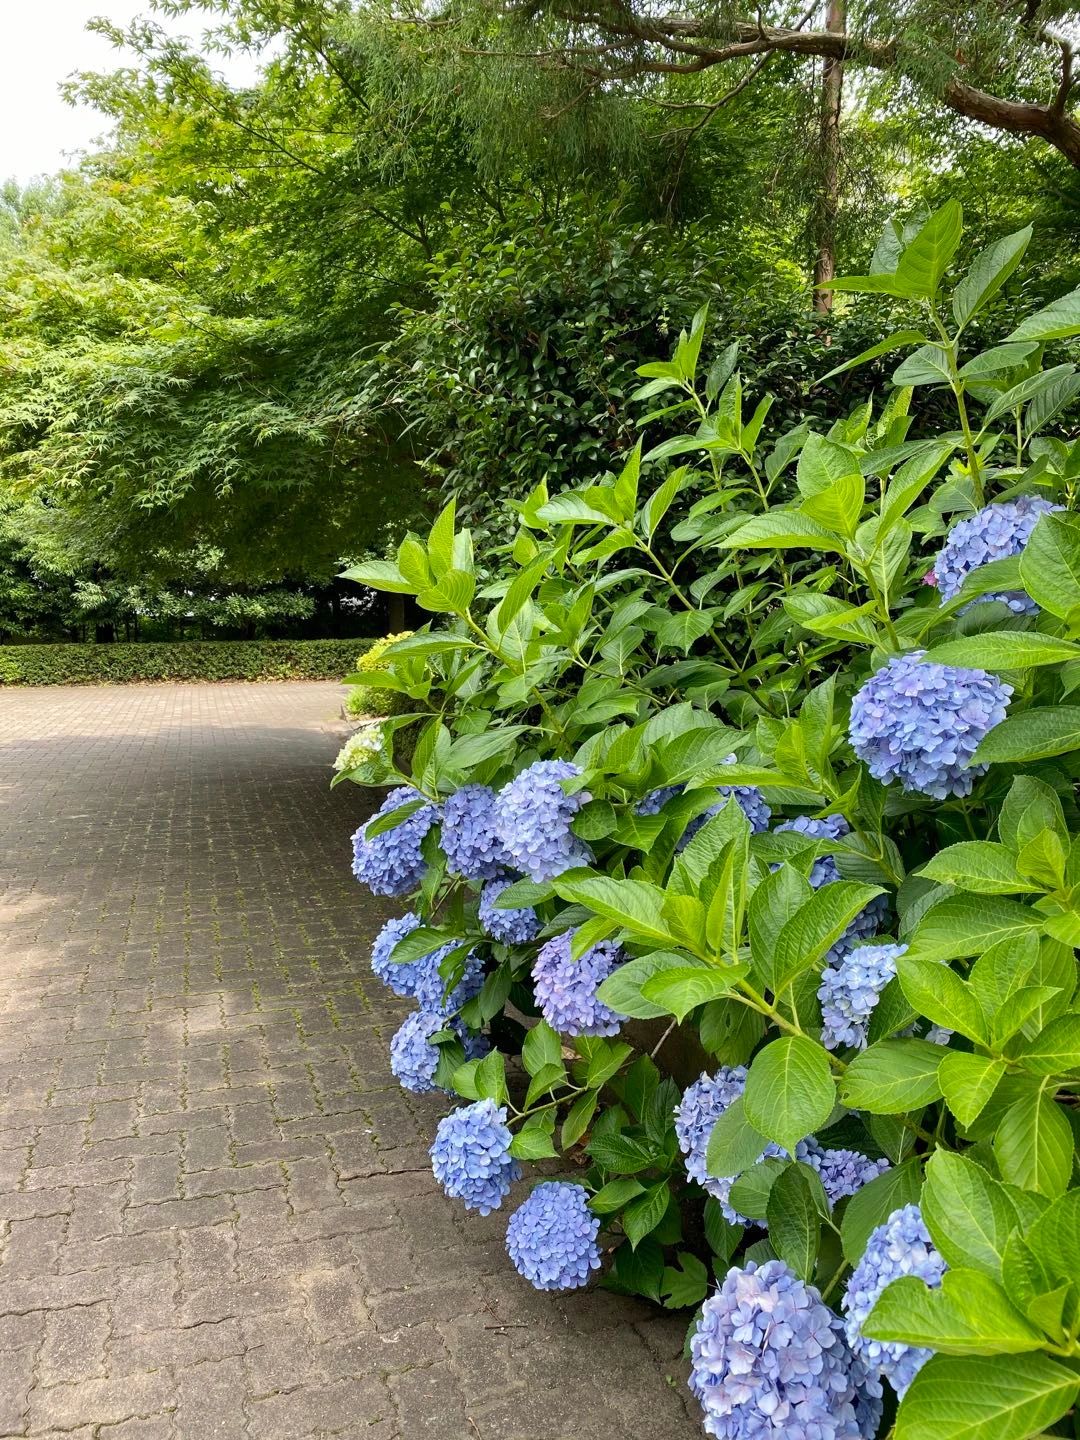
x=414 y=1059
x=391 y=863
x=701 y=1106
x=566 y=989
x=824 y=870
x=921 y=724
x=851 y=985
x=362 y=745
x=749 y=798
x=512 y=927
x=902 y=1246
x=993 y=533
x=532 y=820
x=842 y=1172
x=769 y=1358
x=655 y=800
x=551 y=1238
x=472 y=847
x=471 y=1157
x=401 y=978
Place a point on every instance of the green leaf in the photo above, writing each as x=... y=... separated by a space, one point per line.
x=929 y=365
x=782 y=530
x=1041 y=383
x=641 y=1216
x=997 y=359
x=874 y=1203
x=980 y=1397
x=621 y=1153
x=968 y=1314
x=1034 y=1145
x=542 y=1047
x=1050 y=565
x=1054 y=1238
x=622 y=991
x=893 y=1077
x=794 y=1221
x=923 y=263
x=688 y=1285
x=734 y=1144
x=981 y=866
x=815 y=927
x=967 y=1083
x=963 y=925
x=677 y=992
x=633 y=904
x=1030 y=806
x=892 y=342
x=1055 y=1050
x=379 y=575
x=776 y=900
x=532 y=1143
x=988 y=273
x=1054 y=322
x=1003 y=650
x=790 y=1090
x=578 y=1118
x=1032 y=735
x=614 y=1195
x=640 y=1271
x=490 y=1078
x=749 y=1195
x=939 y=993
x=967 y=1212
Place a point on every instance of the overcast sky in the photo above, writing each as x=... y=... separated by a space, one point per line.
x=41 y=43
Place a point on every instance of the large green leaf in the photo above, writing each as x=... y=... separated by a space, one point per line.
x=981 y=1397
x=938 y=992
x=968 y=1314
x=1054 y=1050
x=964 y=925
x=1034 y=1145
x=981 y=866
x=968 y=1082
x=379 y=575
x=734 y=1144
x=782 y=530
x=1004 y=650
x=893 y=1077
x=1054 y=322
x=1050 y=565
x=967 y=1212
x=896 y=341
x=874 y=1203
x=923 y=263
x=1032 y=735
x=794 y=1220
x=988 y=273
x=634 y=904
x=816 y=926
x=790 y=1090
x=678 y=991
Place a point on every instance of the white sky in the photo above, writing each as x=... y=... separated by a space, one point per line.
x=43 y=42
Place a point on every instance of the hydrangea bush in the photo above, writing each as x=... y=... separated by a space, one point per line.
x=700 y=749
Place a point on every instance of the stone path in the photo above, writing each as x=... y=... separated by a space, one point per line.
x=216 y=1212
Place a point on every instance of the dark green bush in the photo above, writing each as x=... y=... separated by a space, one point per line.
x=193 y=660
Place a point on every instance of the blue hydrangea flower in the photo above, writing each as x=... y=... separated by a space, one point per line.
x=471 y=1157
x=655 y=800
x=400 y=978
x=551 y=1238
x=391 y=863
x=429 y=987
x=824 y=870
x=842 y=1172
x=992 y=533
x=902 y=1246
x=532 y=820
x=851 y=985
x=472 y=847
x=512 y=927
x=701 y=1106
x=769 y=1358
x=414 y=1059
x=921 y=724
x=749 y=798
x=566 y=989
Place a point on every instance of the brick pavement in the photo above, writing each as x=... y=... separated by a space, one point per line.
x=216 y=1212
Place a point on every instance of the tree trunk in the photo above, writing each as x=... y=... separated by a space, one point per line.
x=832 y=96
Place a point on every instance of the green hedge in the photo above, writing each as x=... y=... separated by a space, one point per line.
x=189 y=660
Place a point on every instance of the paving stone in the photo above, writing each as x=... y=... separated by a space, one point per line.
x=219 y=1214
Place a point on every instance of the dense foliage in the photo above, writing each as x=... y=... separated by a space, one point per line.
x=192 y=660
x=772 y=738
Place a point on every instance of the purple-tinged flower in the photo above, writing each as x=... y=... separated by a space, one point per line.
x=511 y=927
x=993 y=533
x=414 y=1059
x=551 y=1238
x=851 y=986
x=842 y=1172
x=902 y=1246
x=429 y=987
x=921 y=723
x=470 y=843
x=566 y=989
x=391 y=863
x=401 y=978
x=532 y=820
x=769 y=1358
x=701 y=1106
x=471 y=1157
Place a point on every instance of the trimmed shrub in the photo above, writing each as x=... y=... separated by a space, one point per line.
x=192 y=660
